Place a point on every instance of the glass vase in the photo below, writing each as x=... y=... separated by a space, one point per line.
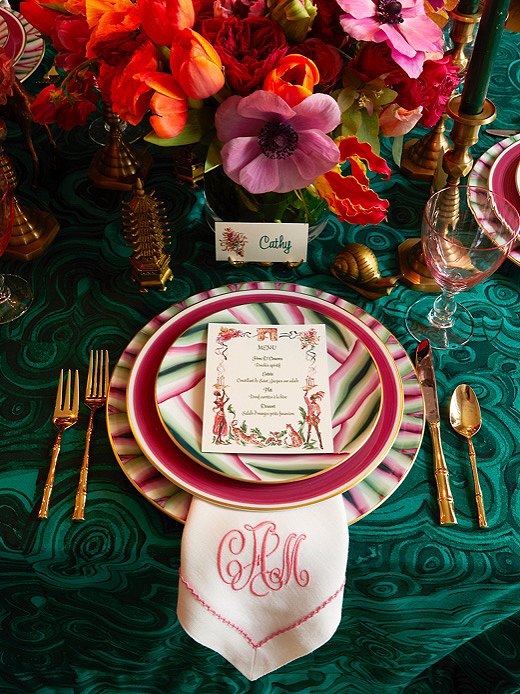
x=229 y=202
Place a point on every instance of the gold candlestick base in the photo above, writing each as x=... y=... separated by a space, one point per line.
x=118 y=166
x=414 y=271
x=458 y=162
x=33 y=229
x=420 y=156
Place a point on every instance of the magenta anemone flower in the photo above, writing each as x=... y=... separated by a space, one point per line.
x=404 y=26
x=270 y=146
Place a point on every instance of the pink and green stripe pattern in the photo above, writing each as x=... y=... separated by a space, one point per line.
x=359 y=500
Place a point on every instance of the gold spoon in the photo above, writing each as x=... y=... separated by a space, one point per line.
x=465 y=418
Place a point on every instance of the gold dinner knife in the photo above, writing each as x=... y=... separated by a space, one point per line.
x=426 y=375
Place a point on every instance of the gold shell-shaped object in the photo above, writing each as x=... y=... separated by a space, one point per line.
x=356 y=265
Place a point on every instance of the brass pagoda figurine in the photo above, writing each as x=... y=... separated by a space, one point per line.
x=146 y=231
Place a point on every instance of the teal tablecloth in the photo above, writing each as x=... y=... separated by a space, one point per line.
x=91 y=607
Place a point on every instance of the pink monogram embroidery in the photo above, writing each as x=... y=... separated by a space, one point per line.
x=261 y=562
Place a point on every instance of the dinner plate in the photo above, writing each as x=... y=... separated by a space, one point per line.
x=359 y=500
x=502 y=175
x=13 y=39
x=354 y=382
x=205 y=483
x=480 y=173
x=33 y=52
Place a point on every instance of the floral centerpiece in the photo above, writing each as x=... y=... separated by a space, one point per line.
x=289 y=96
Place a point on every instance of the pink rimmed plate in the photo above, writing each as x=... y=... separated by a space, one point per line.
x=33 y=52
x=12 y=34
x=354 y=381
x=502 y=175
x=359 y=501
x=480 y=175
x=198 y=480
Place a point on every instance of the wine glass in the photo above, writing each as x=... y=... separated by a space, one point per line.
x=15 y=293
x=466 y=234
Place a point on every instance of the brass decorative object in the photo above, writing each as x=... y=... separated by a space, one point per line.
x=458 y=162
x=414 y=272
x=147 y=233
x=188 y=164
x=421 y=155
x=117 y=166
x=356 y=266
x=33 y=229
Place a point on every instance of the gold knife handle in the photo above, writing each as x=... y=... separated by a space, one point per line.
x=444 y=497
x=478 y=491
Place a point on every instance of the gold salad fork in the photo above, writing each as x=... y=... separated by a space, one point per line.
x=64 y=416
x=95 y=397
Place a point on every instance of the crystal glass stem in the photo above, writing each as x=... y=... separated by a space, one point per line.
x=443 y=310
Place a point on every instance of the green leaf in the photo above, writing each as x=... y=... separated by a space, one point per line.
x=346 y=98
x=350 y=122
x=213 y=158
x=368 y=130
x=384 y=96
x=397 y=149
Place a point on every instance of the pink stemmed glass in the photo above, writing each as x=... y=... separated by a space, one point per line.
x=15 y=293
x=467 y=232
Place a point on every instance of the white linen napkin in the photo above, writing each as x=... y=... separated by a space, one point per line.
x=263 y=588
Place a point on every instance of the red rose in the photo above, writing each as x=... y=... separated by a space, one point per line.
x=70 y=39
x=66 y=109
x=249 y=48
x=373 y=60
x=326 y=24
x=431 y=89
x=326 y=57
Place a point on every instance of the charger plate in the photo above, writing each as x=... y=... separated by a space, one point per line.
x=34 y=50
x=480 y=175
x=360 y=500
x=354 y=381
x=158 y=448
x=12 y=34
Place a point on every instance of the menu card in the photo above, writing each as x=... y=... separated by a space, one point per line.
x=267 y=390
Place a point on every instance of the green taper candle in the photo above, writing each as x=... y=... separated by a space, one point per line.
x=468 y=6
x=484 y=52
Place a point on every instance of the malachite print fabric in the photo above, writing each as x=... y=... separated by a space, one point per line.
x=90 y=608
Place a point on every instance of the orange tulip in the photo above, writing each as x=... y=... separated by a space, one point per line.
x=161 y=19
x=294 y=78
x=196 y=65
x=169 y=104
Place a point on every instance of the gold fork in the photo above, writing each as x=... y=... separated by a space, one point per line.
x=95 y=397
x=64 y=417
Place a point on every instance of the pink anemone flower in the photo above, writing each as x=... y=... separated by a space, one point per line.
x=270 y=146
x=404 y=26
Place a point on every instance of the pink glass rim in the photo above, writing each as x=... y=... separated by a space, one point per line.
x=488 y=194
x=202 y=481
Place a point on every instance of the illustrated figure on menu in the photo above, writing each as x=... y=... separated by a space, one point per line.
x=313 y=412
x=220 y=426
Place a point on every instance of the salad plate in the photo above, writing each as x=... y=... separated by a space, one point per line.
x=12 y=34
x=33 y=52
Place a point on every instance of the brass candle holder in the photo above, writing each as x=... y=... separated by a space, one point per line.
x=117 y=166
x=421 y=155
x=33 y=229
x=456 y=164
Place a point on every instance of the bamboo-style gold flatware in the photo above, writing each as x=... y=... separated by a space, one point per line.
x=95 y=397
x=64 y=416
x=466 y=419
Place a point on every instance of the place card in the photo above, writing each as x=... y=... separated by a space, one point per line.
x=261 y=242
x=267 y=390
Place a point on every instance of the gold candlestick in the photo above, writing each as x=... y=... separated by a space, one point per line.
x=33 y=229
x=421 y=156
x=117 y=166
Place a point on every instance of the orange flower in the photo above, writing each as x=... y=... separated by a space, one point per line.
x=161 y=19
x=123 y=87
x=350 y=197
x=196 y=65
x=169 y=104
x=294 y=78
x=114 y=25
